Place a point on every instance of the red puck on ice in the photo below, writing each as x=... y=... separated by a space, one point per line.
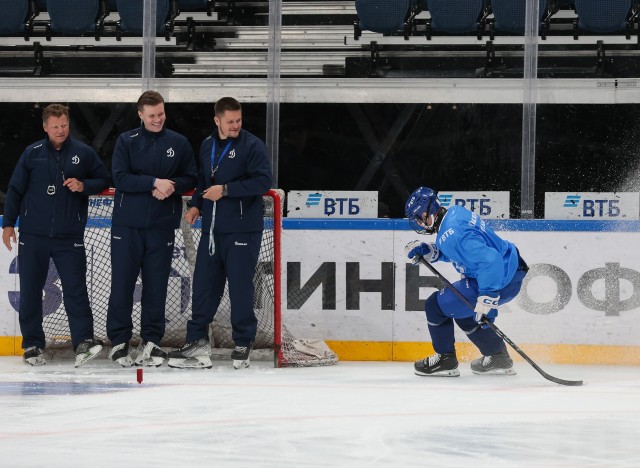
x=139 y=374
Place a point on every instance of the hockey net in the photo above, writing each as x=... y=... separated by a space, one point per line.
x=272 y=333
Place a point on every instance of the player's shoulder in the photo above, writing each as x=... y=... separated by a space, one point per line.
x=130 y=134
x=175 y=138
x=457 y=215
x=173 y=134
x=77 y=145
x=456 y=223
x=459 y=211
x=248 y=138
x=36 y=147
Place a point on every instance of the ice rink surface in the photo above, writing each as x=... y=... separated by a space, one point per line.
x=354 y=414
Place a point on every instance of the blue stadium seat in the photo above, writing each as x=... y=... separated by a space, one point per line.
x=132 y=16
x=14 y=17
x=42 y=5
x=382 y=16
x=456 y=16
x=602 y=16
x=113 y=5
x=510 y=15
x=73 y=17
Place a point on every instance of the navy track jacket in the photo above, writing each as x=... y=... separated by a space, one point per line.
x=246 y=171
x=141 y=156
x=63 y=214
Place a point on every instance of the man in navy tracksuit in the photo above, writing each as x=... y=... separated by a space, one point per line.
x=49 y=192
x=234 y=174
x=152 y=166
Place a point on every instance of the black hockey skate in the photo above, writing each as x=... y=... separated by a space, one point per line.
x=438 y=365
x=120 y=354
x=149 y=355
x=241 y=356
x=34 y=356
x=193 y=355
x=87 y=350
x=497 y=364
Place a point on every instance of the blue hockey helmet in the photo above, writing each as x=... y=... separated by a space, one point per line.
x=422 y=203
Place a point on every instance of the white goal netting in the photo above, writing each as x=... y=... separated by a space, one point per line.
x=272 y=333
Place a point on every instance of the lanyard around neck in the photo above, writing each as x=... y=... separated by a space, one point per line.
x=215 y=162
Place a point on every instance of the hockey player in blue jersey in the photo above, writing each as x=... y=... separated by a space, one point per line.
x=492 y=271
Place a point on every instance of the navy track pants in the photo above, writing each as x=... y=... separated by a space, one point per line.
x=137 y=251
x=235 y=260
x=69 y=258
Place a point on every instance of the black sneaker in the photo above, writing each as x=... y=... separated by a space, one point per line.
x=34 y=356
x=241 y=356
x=120 y=354
x=497 y=364
x=87 y=350
x=149 y=354
x=193 y=355
x=438 y=365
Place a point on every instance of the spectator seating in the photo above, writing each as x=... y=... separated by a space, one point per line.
x=383 y=16
x=509 y=15
x=75 y=17
x=603 y=16
x=132 y=17
x=15 y=18
x=456 y=16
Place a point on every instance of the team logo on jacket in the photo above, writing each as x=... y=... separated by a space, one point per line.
x=75 y=159
x=232 y=154
x=170 y=153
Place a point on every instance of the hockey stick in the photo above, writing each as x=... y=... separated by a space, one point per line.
x=499 y=332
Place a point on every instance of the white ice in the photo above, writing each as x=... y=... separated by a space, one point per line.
x=354 y=414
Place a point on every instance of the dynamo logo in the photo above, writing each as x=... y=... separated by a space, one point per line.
x=445 y=199
x=313 y=199
x=571 y=201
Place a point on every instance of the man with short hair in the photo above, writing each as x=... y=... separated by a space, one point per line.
x=49 y=193
x=234 y=174
x=152 y=166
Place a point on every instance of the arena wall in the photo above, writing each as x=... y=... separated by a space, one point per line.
x=360 y=294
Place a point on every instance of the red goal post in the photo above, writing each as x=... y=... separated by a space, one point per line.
x=272 y=331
